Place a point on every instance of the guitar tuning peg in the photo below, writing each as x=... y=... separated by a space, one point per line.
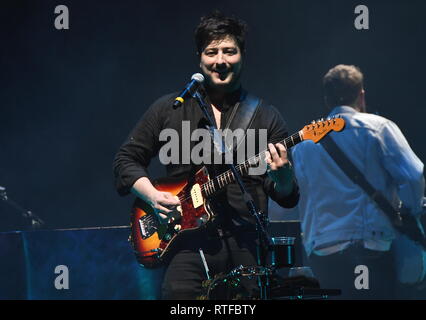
x=322 y=119
x=313 y=122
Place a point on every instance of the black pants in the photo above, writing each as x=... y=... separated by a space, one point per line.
x=185 y=272
x=338 y=271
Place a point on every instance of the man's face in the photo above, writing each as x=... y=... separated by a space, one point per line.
x=221 y=63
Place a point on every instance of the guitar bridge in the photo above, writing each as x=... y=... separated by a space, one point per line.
x=147 y=226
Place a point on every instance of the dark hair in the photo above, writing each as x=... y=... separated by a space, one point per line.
x=216 y=26
x=342 y=85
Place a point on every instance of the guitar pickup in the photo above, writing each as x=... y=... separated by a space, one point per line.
x=196 y=196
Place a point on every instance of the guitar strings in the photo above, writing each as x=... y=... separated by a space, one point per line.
x=222 y=175
x=286 y=141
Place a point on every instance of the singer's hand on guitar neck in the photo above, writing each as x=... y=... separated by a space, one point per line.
x=163 y=203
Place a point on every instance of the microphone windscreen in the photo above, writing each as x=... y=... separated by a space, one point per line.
x=198 y=77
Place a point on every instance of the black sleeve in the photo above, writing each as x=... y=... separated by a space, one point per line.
x=289 y=201
x=133 y=157
x=278 y=131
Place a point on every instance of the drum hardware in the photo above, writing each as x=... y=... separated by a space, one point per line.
x=282 y=255
x=300 y=283
x=296 y=287
x=231 y=283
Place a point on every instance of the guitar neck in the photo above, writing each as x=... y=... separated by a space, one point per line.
x=227 y=177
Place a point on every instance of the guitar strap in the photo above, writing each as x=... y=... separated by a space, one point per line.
x=352 y=172
x=242 y=117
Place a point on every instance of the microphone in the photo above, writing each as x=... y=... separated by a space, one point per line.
x=196 y=80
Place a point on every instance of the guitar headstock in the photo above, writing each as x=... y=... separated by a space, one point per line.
x=319 y=129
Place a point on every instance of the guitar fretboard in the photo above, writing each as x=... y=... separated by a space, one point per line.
x=227 y=177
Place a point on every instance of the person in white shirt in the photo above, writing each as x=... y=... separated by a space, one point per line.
x=342 y=227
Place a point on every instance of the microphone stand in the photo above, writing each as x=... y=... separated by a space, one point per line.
x=264 y=238
x=36 y=222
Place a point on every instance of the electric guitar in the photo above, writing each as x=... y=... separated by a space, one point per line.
x=152 y=240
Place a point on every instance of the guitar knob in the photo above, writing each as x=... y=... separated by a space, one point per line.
x=177 y=227
x=167 y=236
x=201 y=220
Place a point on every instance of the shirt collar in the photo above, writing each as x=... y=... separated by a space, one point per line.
x=342 y=109
x=232 y=98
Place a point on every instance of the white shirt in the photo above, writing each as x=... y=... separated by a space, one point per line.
x=333 y=210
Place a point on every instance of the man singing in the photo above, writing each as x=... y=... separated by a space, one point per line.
x=231 y=240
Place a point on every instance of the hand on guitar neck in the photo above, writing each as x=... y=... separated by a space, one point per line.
x=163 y=203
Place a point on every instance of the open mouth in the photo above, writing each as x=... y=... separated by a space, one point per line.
x=222 y=74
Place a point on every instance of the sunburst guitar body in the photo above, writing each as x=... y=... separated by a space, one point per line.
x=151 y=239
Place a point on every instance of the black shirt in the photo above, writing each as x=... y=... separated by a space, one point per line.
x=143 y=143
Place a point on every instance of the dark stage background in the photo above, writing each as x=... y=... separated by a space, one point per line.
x=68 y=98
